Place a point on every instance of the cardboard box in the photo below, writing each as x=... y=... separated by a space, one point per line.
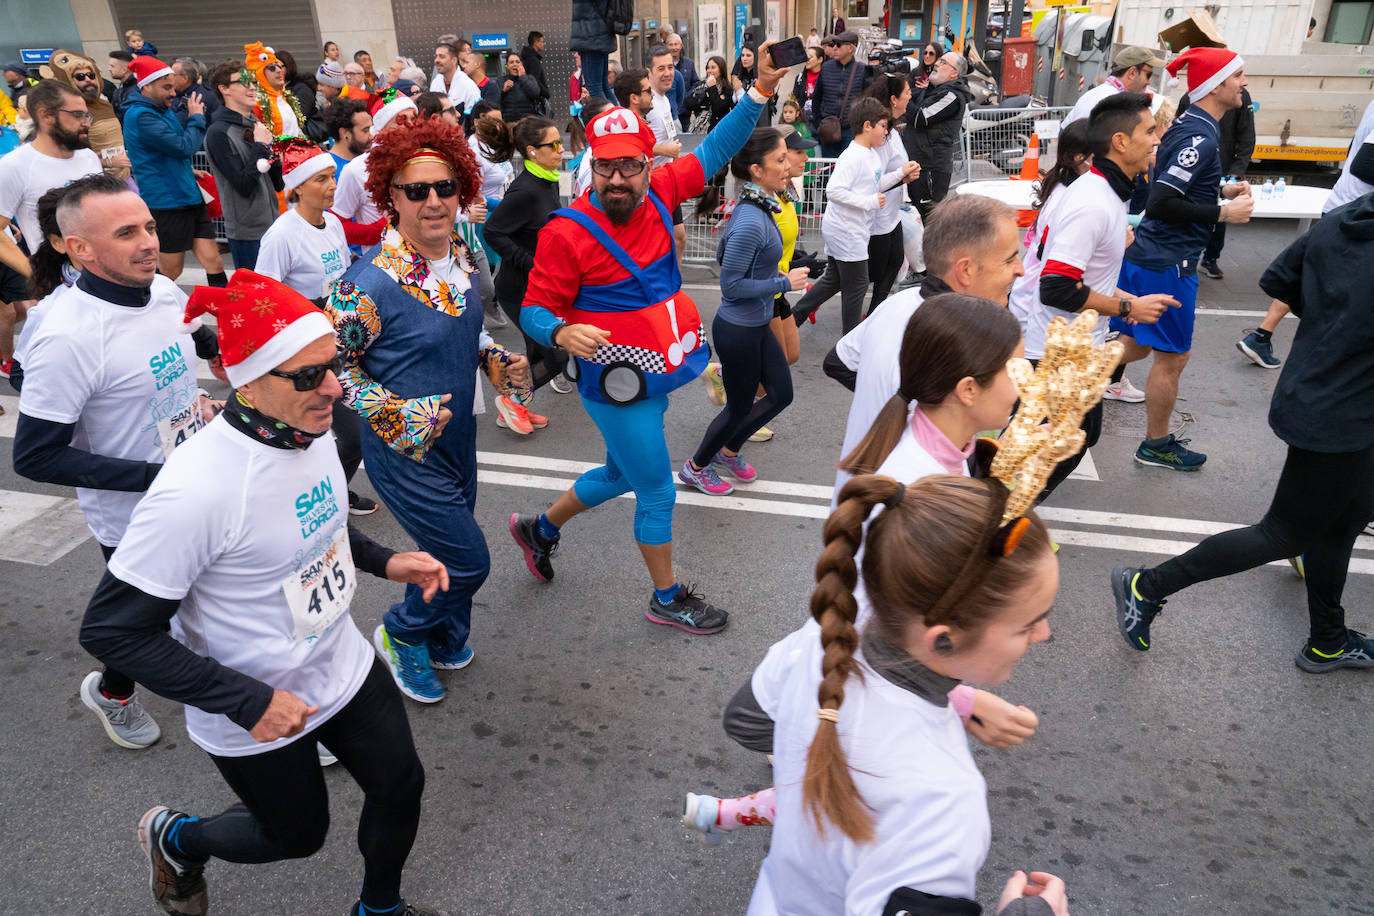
x=1199 y=30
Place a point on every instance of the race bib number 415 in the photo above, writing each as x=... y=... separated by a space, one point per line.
x=180 y=426
x=320 y=592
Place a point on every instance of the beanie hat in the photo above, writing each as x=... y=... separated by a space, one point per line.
x=330 y=74
x=262 y=323
x=620 y=133
x=1208 y=68
x=301 y=160
x=146 y=69
x=387 y=105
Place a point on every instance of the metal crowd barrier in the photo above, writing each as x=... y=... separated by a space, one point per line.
x=994 y=140
x=704 y=228
x=202 y=161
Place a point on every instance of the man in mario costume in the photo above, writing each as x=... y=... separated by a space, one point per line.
x=606 y=288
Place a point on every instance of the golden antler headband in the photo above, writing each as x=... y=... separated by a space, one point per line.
x=1068 y=381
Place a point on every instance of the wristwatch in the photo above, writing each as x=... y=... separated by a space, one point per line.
x=1123 y=308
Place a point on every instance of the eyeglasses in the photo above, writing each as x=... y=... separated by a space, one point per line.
x=84 y=117
x=627 y=167
x=308 y=378
x=83 y=77
x=418 y=191
x=552 y=144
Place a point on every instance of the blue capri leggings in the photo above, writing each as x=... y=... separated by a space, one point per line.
x=636 y=459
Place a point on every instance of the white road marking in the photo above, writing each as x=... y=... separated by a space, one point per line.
x=52 y=527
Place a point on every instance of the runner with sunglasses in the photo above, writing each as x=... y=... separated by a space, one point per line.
x=109 y=391
x=606 y=288
x=255 y=576
x=409 y=324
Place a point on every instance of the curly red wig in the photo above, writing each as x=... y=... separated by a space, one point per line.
x=393 y=148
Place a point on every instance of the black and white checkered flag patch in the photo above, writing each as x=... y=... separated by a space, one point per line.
x=646 y=360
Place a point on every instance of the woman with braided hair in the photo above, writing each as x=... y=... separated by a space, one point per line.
x=880 y=805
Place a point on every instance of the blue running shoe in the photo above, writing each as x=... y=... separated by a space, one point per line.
x=1358 y=652
x=410 y=667
x=445 y=658
x=1134 y=613
x=1171 y=455
x=1259 y=352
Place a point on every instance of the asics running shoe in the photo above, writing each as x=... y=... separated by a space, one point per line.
x=538 y=549
x=1134 y=612
x=735 y=466
x=706 y=480
x=1172 y=455
x=1358 y=652
x=689 y=612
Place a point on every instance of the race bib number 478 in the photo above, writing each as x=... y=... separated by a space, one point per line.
x=320 y=592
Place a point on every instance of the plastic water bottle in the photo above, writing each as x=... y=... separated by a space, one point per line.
x=1267 y=192
x=1279 y=187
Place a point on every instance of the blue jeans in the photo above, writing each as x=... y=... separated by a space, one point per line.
x=245 y=254
x=636 y=459
x=594 y=72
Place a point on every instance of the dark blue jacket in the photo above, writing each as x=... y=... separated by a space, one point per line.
x=160 y=150
x=835 y=81
x=205 y=95
x=589 y=29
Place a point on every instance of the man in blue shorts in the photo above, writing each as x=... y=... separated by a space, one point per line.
x=1178 y=222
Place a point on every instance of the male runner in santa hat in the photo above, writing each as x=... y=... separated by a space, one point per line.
x=255 y=576
x=1179 y=217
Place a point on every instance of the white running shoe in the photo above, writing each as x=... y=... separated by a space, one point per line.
x=1124 y=391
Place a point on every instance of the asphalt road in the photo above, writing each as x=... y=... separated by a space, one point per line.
x=1207 y=776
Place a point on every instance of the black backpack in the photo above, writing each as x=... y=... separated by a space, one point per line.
x=619 y=15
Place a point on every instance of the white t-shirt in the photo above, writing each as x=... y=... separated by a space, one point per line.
x=125 y=376
x=892 y=155
x=911 y=763
x=1347 y=187
x=26 y=175
x=1025 y=291
x=290 y=124
x=583 y=181
x=235 y=553
x=33 y=318
x=851 y=203
x=495 y=175
x=1087 y=101
x=307 y=258
x=873 y=350
x=351 y=200
x=463 y=92
x=661 y=121
x=1087 y=230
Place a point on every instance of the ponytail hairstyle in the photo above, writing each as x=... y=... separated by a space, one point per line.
x=1073 y=148
x=927 y=557
x=761 y=142
x=886 y=87
x=502 y=142
x=45 y=265
x=952 y=336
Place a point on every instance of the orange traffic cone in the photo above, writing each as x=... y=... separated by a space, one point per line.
x=1030 y=166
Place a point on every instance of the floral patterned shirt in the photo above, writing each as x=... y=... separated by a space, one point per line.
x=407 y=425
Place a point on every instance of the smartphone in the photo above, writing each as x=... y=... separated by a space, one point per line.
x=788 y=53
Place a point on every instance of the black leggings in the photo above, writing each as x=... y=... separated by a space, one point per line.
x=115 y=683
x=849 y=279
x=285 y=807
x=748 y=356
x=885 y=256
x=545 y=362
x=1321 y=504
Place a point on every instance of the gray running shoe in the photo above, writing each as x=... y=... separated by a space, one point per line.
x=178 y=887
x=126 y=721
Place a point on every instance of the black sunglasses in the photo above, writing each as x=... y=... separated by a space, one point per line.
x=83 y=77
x=418 y=191
x=628 y=167
x=308 y=378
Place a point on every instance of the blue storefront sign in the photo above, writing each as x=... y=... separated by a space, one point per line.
x=35 y=55
x=491 y=41
x=741 y=22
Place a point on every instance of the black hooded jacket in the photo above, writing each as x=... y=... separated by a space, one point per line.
x=1324 y=399
x=933 y=119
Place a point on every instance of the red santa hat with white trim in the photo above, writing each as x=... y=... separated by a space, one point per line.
x=146 y=69
x=262 y=323
x=301 y=160
x=1208 y=68
x=386 y=106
